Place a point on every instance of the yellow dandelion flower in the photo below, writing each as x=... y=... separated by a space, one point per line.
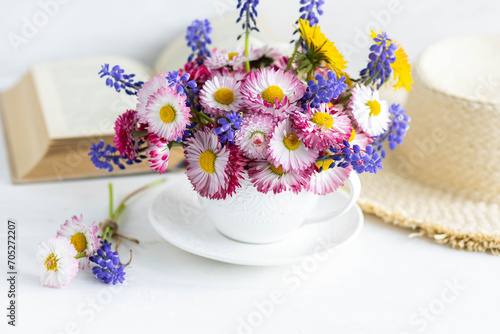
x=401 y=67
x=402 y=70
x=316 y=40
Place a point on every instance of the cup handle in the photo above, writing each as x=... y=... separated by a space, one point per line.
x=355 y=186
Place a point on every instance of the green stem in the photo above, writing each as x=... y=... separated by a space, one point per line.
x=203 y=116
x=247 y=37
x=137 y=134
x=123 y=204
x=110 y=187
x=290 y=62
x=80 y=255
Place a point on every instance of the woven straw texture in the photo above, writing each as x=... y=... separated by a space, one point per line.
x=444 y=180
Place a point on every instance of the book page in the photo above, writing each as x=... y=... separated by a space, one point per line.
x=76 y=102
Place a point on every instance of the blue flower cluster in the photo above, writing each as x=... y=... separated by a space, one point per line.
x=183 y=85
x=229 y=125
x=118 y=80
x=188 y=132
x=198 y=37
x=103 y=155
x=108 y=266
x=323 y=90
x=309 y=8
x=381 y=57
x=397 y=128
x=248 y=6
x=369 y=161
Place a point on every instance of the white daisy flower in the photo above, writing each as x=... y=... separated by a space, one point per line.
x=55 y=258
x=83 y=238
x=370 y=112
x=287 y=150
x=221 y=95
x=167 y=113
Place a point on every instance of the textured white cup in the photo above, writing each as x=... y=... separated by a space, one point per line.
x=253 y=217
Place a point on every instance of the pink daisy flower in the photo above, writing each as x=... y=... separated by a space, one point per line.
x=272 y=91
x=200 y=74
x=219 y=59
x=266 y=177
x=125 y=125
x=320 y=128
x=221 y=95
x=55 y=259
x=253 y=137
x=287 y=150
x=359 y=138
x=269 y=56
x=238 y=75
x=167 y=114
x=149 y=88
x=83 y=238
x=213 y=170
x=159 y=153
x=329 y=179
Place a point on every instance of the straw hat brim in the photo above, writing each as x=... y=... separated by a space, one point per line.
x=447 y=218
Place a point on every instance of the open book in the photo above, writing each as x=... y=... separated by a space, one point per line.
x=51 y=117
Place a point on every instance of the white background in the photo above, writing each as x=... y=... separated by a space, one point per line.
x=382 y=283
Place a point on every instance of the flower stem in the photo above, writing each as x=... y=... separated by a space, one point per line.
x=110 y=187
x=137 y=134
x=247 y=37
x=80 y=255
x=290 y=62
x=203 y=116
x=123 y=204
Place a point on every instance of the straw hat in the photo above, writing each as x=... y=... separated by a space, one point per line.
x=444 y=181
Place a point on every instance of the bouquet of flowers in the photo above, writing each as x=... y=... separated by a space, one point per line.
x=284 y=121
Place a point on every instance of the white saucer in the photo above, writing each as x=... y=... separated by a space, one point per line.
x=178 y=216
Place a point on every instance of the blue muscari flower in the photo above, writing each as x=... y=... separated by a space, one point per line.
x=108 y=266
x=248 y=6
x=229 y=125
x=118 y=80
x=369 y=161
x=397 y=128
x=187 y=132
x=381 y=57
x=323 y=90
x=183 y=85
x=309 y=10
x=103 y=155
x=198 y=37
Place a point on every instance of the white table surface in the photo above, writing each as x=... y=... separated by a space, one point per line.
x=384 y=282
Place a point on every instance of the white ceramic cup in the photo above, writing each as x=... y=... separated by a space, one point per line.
x=253 y=217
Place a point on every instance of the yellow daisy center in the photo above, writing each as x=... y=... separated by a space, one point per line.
x=291 y=142
x=231 y=55
x=167 y=114
x=224 y=96
x=79 y=241
x=325 y=164
x=322 y=119
x=276 y=170
x=353 y=135
x=374 y=107
x=207 y=161
x=51 y=262
x=271 y=93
